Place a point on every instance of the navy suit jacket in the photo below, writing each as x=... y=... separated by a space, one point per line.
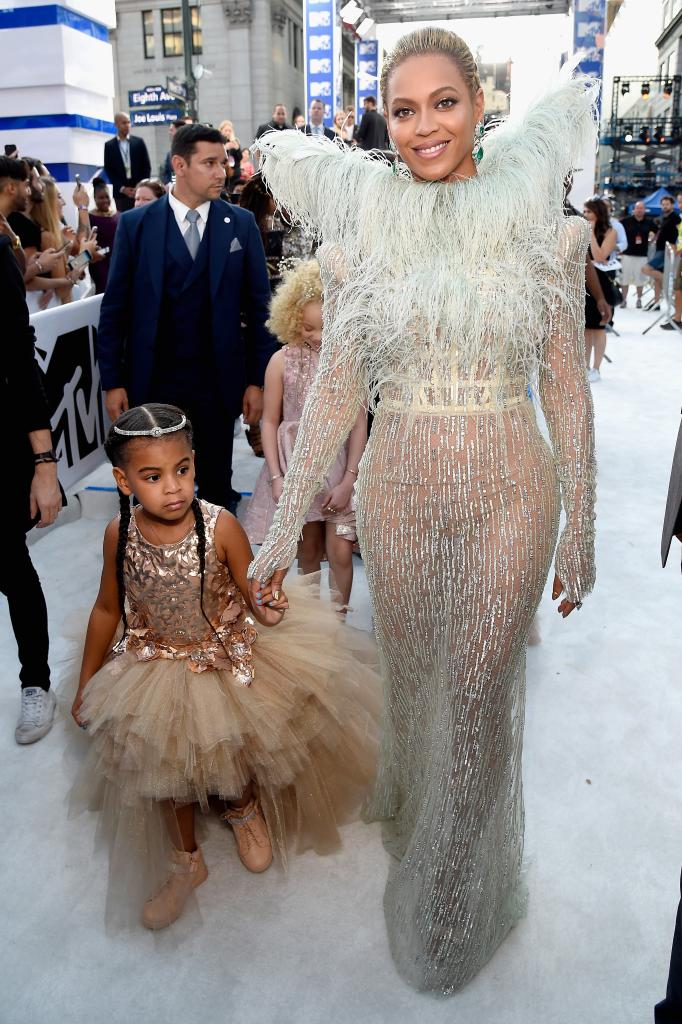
x=240 y=293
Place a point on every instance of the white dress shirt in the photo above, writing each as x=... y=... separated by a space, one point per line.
x=180 y=210
x=317 y=129
x=124 y=149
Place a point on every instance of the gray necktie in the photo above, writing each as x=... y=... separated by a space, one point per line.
x=192 y=234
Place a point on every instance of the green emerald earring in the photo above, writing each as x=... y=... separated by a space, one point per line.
x=477 y=150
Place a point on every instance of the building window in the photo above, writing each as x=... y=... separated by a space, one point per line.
x=196 y=30
x=171 y=23
x=295 y=44
x=148 y=33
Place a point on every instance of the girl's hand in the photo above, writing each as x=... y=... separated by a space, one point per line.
x=75 y=710
x=277 y=487
x=269 y=597
x=337 y=499
x=566 y=606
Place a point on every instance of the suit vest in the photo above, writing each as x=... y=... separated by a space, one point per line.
x=184 y=356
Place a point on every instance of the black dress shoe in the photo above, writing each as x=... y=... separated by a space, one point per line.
x=669 y=326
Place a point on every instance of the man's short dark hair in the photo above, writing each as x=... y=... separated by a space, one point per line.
x=14 y=169
x=370 y=99
x=185 y=140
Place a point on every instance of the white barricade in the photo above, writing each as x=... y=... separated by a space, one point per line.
x=65 y=349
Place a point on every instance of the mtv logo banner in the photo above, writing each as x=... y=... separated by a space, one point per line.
x=589 y=34
x=65 y=350
x=366 y=73
x=322 y=44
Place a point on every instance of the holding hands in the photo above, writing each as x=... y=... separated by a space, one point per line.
x=268 y=598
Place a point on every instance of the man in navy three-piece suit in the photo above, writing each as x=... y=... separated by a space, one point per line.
x=187 y=272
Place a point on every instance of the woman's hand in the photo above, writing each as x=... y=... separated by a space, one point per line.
x=80 y=195
x=566 y=606
x=338 y=498
x=268 y=598
x=90 y=243
x=48 y=259
x=277 y=486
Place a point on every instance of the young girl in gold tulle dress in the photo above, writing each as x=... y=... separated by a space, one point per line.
x=296 y=320
x=194 y=701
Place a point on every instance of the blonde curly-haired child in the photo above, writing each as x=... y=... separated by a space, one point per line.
x=296 y=320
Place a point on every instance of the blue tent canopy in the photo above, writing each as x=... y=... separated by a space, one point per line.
x=653 y=202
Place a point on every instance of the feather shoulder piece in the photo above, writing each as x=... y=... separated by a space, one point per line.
x=315 y=179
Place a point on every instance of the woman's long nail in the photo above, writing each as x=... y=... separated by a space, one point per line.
x=275 y=594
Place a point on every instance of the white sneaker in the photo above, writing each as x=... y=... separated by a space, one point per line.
x=37 y=714
x=593 y=376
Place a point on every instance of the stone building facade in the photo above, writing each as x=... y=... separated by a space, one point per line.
x=669 y=41
x=253 y=50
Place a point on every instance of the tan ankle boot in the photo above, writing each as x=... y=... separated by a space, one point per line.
x=189 y=871
x=251 y=836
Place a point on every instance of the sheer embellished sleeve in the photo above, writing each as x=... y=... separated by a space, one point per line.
x=567 y=404
x=330 y=410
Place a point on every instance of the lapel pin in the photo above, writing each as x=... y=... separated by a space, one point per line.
x=227 y=220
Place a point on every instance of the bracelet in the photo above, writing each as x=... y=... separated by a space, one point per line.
x=81 y=207
x=353 y=471
x=39 y=265
x=277 y=476
x=48 y=456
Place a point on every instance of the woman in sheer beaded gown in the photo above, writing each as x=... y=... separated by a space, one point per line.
x=449 y=288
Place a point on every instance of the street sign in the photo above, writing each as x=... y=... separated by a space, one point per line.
x=151 y=117
x=176 y=88
x=151 y=96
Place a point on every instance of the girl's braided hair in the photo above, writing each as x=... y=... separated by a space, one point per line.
x=149 y=422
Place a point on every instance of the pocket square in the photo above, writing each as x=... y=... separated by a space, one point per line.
x=235 y=246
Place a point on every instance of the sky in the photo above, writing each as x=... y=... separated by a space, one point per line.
x=534 y=43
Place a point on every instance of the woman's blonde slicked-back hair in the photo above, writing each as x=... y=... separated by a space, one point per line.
x=300 y=285
x=431 y=40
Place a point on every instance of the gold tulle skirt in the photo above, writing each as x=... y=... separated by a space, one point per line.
x=160 y=735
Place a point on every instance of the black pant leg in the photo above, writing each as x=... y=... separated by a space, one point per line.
x=669 y=1011
x=213 y=427
x=20 y=584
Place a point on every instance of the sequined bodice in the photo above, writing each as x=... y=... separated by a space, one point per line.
x=300 y=367
x=163 y=589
